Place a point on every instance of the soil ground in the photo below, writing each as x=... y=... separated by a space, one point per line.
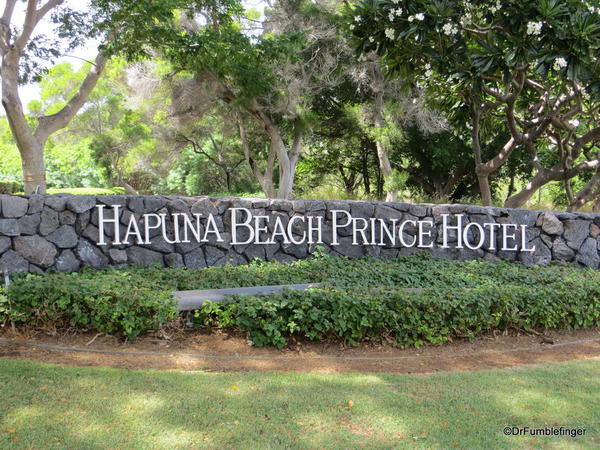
x=218 y=351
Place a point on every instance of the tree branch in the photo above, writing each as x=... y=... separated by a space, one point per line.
x=50 y=124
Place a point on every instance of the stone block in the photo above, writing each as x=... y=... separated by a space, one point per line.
x=14 y=207
x=64 y=237
x=9 y=227
x=91 y=255
x=81 y=203
x=13 y=262
x=67 y=262
x=588 y=254
x=49 y=221
x=36 y=250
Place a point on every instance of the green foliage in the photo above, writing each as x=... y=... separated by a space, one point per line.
x=10 y=187
x=409 y=318
x=114 y=302
x=410 y=300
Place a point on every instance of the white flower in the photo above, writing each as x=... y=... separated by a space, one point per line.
x=411 y=18
x=497 y=7
x=352 y=26
x=420 y=17
x=574 y=123
x=395 y=2
x=427 y=66
x=560 y=63
x=398 y=12
x=371 y=39
x=466 y=19
x=534 y=28
x=389 y=33
x=428 y=73
x=391 y=16
x=357 y=18
x=450 y=29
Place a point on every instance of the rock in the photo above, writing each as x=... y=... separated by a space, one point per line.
x=347 y=249
x=174 y=260
x=13 y=262
x=159 y=244
x=551 y=224
x=117 y=256
x=81 y=203
x=283 y=258
x=418 y=210
x=136 y=204
x=67 y=218
x=9 y=227
x=204 y=207
x=36 y=250
x=255 y=252
x=594 y=230
x=213 y=256
x=281 y=205
x=5 y=244
x=152 y=204
x=91 y=255
x=29 y=224
x=541 y=257
x=14 y=207
x=298 y=206
x=56 y=203
x=297 y=251
x=315 y=205
x=362 y=209
x=36 y=204
x=139 y=256
x=561 y=251
x=195 y=259
x=64 y=237
x=387 y=213
x=260 y=203
x=588 y=254
x=49 y=221
x=67 y=262
x=575 y=232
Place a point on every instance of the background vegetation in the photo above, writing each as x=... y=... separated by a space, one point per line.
x=315 y=99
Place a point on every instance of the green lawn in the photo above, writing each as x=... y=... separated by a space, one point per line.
x=44 y=406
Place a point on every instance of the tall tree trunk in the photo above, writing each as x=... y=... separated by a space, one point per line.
x=264 y=179
x=31 y=143
x=384 y=159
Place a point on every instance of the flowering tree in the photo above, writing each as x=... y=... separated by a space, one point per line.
x=530 y=64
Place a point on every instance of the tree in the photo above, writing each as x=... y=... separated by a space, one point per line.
x=270 y=77
x=112 y=21
x=530 y=64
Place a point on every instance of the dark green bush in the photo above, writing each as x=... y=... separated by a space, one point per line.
x=410 y=318
x=10 y=187
x=111 y=302
x=360 y=299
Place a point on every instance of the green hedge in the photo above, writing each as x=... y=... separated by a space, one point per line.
x=432 y=315
x=10 y=187
x=111 y=302
x=361 y=299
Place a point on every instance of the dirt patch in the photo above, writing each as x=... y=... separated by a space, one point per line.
x=219 y=351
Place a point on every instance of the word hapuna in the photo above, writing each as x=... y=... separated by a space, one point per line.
x=247 y=228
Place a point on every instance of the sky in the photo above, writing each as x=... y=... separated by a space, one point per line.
x=87 y=52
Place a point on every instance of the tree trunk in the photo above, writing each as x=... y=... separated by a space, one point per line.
x=520 y=198
x=31 y=144
x=384 y=159
x=484 y=187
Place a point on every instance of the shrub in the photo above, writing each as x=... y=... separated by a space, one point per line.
x=114 y=303
x=10 y=187
x=409 y=318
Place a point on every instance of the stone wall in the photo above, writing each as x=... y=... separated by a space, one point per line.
x=40 y=233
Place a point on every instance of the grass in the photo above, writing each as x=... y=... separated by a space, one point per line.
x=46 y=406
x=88 y=191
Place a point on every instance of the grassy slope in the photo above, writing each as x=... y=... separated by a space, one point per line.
x=43 y=406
